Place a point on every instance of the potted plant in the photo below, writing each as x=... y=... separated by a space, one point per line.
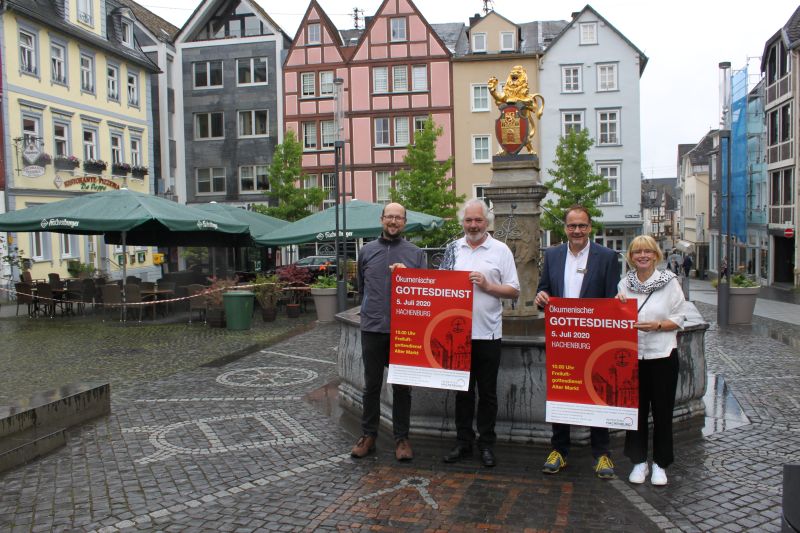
x=295 y=282
x=268 y=290
x=324 y=292
x=215 y=314
x=95 y=166
x=743 y=293
x=44 y=159
x=66 y=162
x=138 y=171
x=120 y=169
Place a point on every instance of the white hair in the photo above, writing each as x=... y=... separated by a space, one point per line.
x=487 y=213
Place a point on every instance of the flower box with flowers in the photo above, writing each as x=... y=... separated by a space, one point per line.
x=66 y=162
x=139 y=171
x=120 y=169
x=95 y=165
x=43 y=159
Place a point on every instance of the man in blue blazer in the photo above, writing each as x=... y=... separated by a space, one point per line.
x=578 y=269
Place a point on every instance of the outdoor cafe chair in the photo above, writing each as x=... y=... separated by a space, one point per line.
x=133 y=280
x=45 y=301
x=53 y=279
x=25 y=296
x=197 y=301
x=133 y=295
x=86 y=294
x=147 y=286
x=112 y=297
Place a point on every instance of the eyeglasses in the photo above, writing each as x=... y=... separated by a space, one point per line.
x=643 y=251
x=394 y=218
x=573 y=227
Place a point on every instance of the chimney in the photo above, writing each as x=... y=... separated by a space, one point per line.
x=474 y=19
x=725 y=95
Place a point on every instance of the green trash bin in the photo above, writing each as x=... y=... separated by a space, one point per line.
x=238 y=309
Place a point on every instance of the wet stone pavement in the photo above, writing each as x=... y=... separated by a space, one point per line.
x=258 y=444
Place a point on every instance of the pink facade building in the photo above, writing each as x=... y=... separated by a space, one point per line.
x=395 y=73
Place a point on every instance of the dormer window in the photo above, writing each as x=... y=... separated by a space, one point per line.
x=479 y=42
x=85 y=10
x=507 y=43
x=127 y=33
x=313 y=34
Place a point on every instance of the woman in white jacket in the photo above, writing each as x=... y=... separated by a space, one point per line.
x=660 y=299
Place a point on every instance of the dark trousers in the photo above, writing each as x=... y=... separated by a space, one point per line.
x=375 y=355
x=598 y=437
x=658 y=381
x=483 y=378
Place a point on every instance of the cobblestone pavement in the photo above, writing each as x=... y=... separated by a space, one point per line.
x=258 y=444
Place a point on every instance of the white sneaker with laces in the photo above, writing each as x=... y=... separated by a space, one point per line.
x=659 y=476
x=639 y=473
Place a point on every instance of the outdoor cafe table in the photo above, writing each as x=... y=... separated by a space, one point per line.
x=158 y=294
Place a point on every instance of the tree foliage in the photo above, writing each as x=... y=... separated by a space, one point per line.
x=425 y=187
x=285 y=172
x=574 y=182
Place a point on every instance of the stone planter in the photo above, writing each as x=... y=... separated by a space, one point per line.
x=325 y=304
x=742 y=304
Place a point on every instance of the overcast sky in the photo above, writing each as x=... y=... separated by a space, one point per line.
x=685 y=40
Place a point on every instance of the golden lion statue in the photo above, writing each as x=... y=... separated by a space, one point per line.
x=516 y=90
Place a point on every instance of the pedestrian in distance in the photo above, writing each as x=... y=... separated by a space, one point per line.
x=578 y=269
x=377 y=260
x=659 y=299
x=687 y=265
x=492 y=271
x=723 y=268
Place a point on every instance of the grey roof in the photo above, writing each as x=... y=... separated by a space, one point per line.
x=537 y=35
x=451 y=33
x=350 y=37
x=50 y=13
x=699 y=155
x=791 y=30
x=157 y=26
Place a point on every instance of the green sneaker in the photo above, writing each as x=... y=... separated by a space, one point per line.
x=604 y=468
x=555 y=462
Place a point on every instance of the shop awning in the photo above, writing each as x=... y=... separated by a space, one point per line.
x=685 y=247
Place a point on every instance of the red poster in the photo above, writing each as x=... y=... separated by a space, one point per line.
x=592 y=362
x=431 y=336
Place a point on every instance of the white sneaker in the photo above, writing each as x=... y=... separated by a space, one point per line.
x=659 y=476
x=639 y=473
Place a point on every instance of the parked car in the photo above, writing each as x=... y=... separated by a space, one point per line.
x=318 y=264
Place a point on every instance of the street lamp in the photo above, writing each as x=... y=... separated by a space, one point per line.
x=338 y=155
x=724 y=292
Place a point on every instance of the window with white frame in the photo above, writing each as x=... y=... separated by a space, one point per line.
x=478 y=42
x=31 y=129
x=87 y=73
x=116 y=149
x=383 y=184
x=253 y=123
x=133 y=89
x=112 y=82
x=210 y=180
x=507 y=41
x=419 y=78
x=27 y=52
x=326 y=83
x=588 y=32
x=38 y=240
x=309 y=135
x=253 y=178
x=479 y=191
x=480 y=149
x=251 y=71
x=480 y=98
x=399 y=78
x=329 y=186
x=610 y=173
x=313 y=35
x=607 y=77
x=61 y=139
x=382 y=131
x=136 y=152
x=127 y=33
x=607 y=127
x=207 y=74
x=85 y=11
x=89 y=144
x=401 y=136
x=209 y=125
x=571 y=121
x=571 y=79
x=419 y=124
x=308 y=87
x=398 y=29
x=58 y=63
x=69 y=245
x=327 y=134
x=380 y=80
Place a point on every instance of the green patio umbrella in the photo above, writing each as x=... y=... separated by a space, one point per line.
x=259 y=224
x=363 y=220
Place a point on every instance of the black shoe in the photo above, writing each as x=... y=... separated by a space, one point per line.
x=487 y=457
x=457 y=453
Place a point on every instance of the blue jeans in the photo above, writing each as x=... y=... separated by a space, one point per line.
x=375 y=355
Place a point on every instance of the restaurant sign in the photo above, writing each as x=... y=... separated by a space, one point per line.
x=33 y=171
x=87 y=183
